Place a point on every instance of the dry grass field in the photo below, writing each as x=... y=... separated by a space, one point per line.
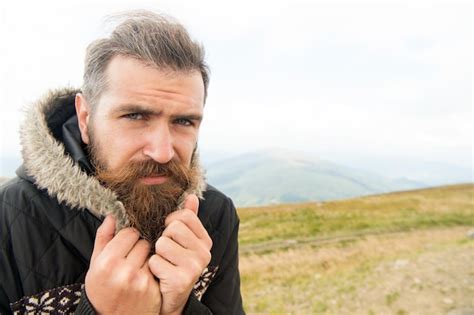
x=399 y=253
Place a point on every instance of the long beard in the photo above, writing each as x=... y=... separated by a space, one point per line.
x=147 y=206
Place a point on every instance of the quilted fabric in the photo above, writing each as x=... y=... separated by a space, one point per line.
x=50 y=212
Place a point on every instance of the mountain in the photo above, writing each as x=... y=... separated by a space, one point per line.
x=433 y=173
x=278 y=176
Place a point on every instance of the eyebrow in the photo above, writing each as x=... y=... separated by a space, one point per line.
x=135 y=108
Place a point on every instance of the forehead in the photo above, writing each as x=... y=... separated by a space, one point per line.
x=131 y=80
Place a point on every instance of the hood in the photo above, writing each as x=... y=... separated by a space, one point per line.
x=62 y=169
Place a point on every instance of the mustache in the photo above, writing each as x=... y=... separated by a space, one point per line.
x=174 y=170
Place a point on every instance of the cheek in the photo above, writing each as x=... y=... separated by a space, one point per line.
x=123 y=149
x=116 y=147
x=184 y=147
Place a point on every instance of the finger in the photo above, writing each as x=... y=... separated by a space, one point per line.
x=139 y=254
x=104 y=235
x=160 y=267
x=195 y=248
x=192 y=222
x=192 y=203
x=146 y=269
x=181 y=234
x=171 y=251
x=122 y=243
x=167 y=262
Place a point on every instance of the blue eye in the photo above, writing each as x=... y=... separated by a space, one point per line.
x=134 y=116
x=184 y=122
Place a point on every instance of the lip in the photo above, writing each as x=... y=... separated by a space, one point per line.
x=154 y=180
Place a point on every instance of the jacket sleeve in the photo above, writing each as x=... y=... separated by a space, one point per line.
x=195 y=307
x=10 y=286
x=4 y=308
x=84 y=306
x=223 y=294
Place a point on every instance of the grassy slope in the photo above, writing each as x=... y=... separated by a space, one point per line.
x=327 y=278
x=443 y=206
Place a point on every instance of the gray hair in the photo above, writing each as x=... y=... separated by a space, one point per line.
x=149 y=37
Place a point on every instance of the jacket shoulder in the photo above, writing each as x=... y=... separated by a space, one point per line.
x=37 y=232
x=15 y=194
x=20 y=196
x=216 y=210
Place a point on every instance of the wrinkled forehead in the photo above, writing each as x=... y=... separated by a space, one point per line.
x=128 y=76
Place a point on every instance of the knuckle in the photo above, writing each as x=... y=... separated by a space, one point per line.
x=119 y=280
x=207 y=258
x=152 y=260
x=140 y=282
x=189 y=214
x=172 y=228
x=154 y=267
x=204 y=258
x=126 y=275
x=130 y=232
x=175 y=224
x=197 y=269
x=153 y=263
x=100 y=238
x=209 y=242
x=100 y=231
x=143 y=244
x=171 y=217
x=106 y=264
x=161 y=244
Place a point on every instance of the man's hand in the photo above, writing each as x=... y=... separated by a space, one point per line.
x=119 y=280
x=182 y=253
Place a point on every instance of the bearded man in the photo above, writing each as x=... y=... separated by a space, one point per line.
x=109 y=212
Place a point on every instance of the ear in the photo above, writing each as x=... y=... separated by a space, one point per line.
x=83 y=114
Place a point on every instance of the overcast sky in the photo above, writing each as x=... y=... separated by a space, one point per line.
x=367 y=80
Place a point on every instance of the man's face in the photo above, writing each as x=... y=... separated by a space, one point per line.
x=142 y=135
x=145 y=114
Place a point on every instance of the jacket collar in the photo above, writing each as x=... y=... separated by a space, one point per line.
x=54 y=158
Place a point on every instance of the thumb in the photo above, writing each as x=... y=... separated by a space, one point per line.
x=192 y=203
x=104 y=235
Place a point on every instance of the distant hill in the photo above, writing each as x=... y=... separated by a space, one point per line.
x=278 y=176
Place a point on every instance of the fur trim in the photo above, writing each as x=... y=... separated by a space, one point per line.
x=45 y=160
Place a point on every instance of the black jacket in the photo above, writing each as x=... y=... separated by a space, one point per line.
x=50 y=212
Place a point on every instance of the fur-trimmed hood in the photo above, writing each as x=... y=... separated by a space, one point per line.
x=47 y=161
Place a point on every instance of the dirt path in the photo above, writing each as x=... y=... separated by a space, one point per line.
x=415 y=272
x=314 y=241
x=439 y=282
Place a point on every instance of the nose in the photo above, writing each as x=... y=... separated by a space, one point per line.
x=159 y=145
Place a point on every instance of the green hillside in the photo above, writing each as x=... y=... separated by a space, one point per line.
x=444 y=206
x=295 y=258
x=281 y=177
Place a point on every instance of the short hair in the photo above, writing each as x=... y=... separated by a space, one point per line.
x=146 y=36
